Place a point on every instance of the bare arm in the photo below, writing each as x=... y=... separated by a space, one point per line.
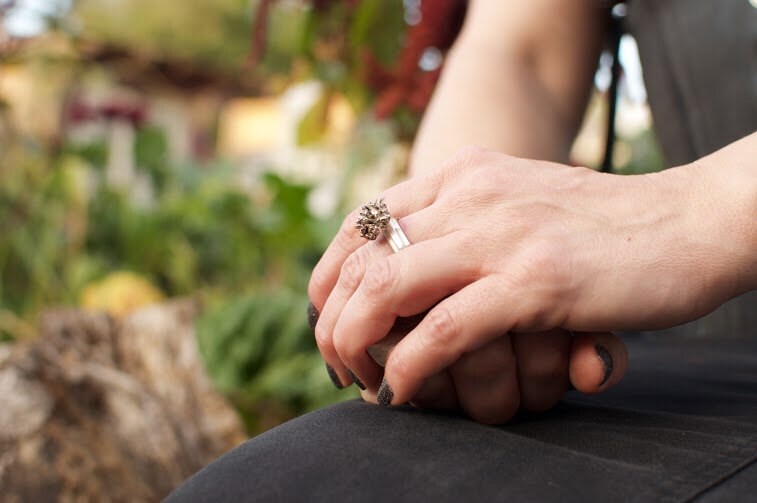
x=724 y=226
x=516 y=81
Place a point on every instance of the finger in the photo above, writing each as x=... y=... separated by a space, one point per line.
x=598 y=361
x=542 y=361
x=486 y=381
x=463 y=322
x=401 y=284
x=437 y=393
x=312 y=316
x=380 y=351
x=402 y=199
x=352 y=272
x=324 y=276
x=368 y=395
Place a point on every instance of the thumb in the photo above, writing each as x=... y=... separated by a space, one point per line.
x=598 y=361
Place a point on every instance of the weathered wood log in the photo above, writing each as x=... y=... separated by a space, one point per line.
x=100 y=410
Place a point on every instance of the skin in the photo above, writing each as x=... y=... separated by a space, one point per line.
x=522 y=63
x=570 y=249
x=532 y=65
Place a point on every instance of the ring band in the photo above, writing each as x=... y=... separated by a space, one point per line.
x=395 y=236
x=376 y=219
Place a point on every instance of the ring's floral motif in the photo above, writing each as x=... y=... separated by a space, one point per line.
x=373 y=219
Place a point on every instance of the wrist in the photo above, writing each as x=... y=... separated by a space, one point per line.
x=719 y=194
x=731 y=177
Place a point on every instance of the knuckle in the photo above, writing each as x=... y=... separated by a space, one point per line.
x=346 y=234
x=380 y=277
x=534 y=317
x=349 y=222
x=547 y=364
x=352 y=271
x=400 y=366
x=441 y=326
x=319 y=284
x=322 y=338
x=340 y=346
x=487 y=363
x=543 y=271
x=345 y=348
x=547 y=261
x=540 y=313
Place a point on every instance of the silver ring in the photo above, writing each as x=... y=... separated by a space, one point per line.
x=376 y=219
x=395 y=236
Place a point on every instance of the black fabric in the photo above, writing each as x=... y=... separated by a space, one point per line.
x=682 y=425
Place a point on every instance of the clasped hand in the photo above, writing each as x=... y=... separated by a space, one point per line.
x=509 y=256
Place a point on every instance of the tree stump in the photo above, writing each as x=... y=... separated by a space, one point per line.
x=100 y=410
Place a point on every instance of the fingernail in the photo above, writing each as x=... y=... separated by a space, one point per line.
x=356 y=380
x=606 y=358
x=385 y=394
x=312 y=316
x=334 y=378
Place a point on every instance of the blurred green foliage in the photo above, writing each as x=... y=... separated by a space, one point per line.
x=203 y=234
x=260 y=352
x=329 y=41
x=244 y=247
x=201 y=230
x=211 y=33
x=645 y=154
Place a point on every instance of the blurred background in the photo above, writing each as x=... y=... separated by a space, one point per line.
x=186 y=148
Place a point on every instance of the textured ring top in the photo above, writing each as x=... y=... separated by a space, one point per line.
x=375 y=219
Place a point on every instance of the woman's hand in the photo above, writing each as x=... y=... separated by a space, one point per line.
x=503 y=244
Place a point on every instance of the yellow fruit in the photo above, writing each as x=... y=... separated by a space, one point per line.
x=120 y=293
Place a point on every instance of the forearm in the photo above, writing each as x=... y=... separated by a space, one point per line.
x=494 y=102
x=713 y=232
x=727 y=184
x=516 y=81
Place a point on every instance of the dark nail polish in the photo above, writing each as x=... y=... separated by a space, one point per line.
x=606 y=358
x=356 y=380
x=385 y=394
x=312 y=315
x=334 y=378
